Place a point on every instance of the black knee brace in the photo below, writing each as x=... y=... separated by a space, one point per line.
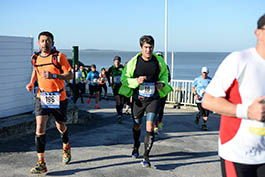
x=40 y=142
x=65 y=137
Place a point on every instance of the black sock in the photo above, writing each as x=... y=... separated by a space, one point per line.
x=65 y=137
x=148 y=143
x=136 y=137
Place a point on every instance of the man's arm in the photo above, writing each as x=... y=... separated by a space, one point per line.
x=30 y=86
x=65 y=76
x=108 y=74
x=195 y=93
x=256 y=111
x=219 y=105
x=128 y=80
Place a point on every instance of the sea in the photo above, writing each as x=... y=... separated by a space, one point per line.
x=187 y=65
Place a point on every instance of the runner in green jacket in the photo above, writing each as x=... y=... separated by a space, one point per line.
x=145 y=78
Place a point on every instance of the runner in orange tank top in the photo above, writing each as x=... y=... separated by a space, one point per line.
x=51 y=68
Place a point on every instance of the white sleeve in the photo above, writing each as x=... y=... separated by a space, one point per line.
x=224 y=76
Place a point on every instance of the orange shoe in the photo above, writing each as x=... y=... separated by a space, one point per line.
x=97 y=106
x=88 y=101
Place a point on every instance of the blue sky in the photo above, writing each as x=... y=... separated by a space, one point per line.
x=193 y=25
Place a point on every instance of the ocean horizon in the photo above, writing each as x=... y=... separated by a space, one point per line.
x=187 y=65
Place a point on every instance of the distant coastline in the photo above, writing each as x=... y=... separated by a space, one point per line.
x=113 y=50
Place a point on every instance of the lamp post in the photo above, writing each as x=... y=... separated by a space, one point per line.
x=166 y=31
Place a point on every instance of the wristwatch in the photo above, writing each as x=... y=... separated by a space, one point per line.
x=55 y=76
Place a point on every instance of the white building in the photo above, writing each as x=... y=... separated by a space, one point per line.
x=15 y=73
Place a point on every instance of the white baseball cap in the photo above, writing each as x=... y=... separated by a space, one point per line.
x=205 y=69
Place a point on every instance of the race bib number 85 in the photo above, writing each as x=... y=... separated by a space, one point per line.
x=50 y=100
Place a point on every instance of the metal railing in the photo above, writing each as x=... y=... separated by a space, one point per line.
x=182 y=92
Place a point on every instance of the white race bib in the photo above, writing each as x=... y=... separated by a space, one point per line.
x=147 y=89
x=117 y=79
x=50 y=100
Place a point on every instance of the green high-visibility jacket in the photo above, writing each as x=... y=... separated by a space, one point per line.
x=129 y=82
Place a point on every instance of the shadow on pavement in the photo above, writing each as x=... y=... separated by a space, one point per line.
x=166 y=167
x=169 y=157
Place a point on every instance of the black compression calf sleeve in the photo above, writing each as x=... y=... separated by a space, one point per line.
x=40 y=142
x=136 y=137
x=65 y=137
x=119 y=109
x=148 y=143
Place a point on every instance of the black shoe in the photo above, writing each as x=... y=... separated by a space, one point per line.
x=204 y=127
x=197 y=120
x=120 y=119
x=146 y=162
x=135 y=153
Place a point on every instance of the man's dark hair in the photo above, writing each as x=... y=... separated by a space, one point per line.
x=261 y=21
x=46 y=33
x=148 y=39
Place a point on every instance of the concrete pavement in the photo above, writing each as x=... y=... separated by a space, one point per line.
x=102 y=148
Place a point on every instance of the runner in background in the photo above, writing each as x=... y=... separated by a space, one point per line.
x=159 y=125
x=114 y=72
x=82 y=82
x=102 y=83
x=199 y=86
x=92 y=80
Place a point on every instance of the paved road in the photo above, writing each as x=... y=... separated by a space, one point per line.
x=102 y=148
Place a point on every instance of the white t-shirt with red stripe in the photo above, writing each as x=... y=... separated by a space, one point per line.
x=240 y=79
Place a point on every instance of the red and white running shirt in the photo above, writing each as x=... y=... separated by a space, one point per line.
x=240 y=79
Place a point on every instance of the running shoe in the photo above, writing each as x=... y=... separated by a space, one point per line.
x=120 y=119
x=97 y=106
x=106 y=98
x=66 y=155
x=146 y=162
x=127 y=112
x=135 y=153
x=160 y=125
x=39 y=168
x=88 y=101
x=156 y=130
x=204 y=127
x=197 y=121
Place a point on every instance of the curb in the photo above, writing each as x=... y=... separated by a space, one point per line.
x=22 y=124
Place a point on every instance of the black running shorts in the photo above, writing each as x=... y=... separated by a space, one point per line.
x=59 y=114
x=115 y=90
x=241 y=170
x=93 y=88
x=140 y=106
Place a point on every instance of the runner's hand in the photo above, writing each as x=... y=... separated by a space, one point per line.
x=197 y=97
x=29 y=87
x=159 y=85
x=141 y=79
x=46 y=75
x=256 y=111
